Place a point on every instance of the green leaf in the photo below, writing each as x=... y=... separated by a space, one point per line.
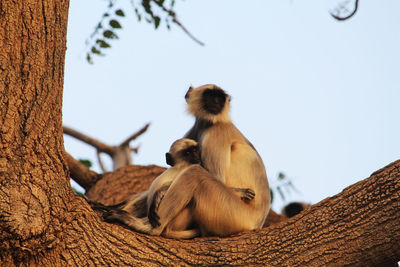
x=115 y=24
x=86 y=162
x=89 y=59
x=290 y=184
x=272 y=195
x=77 y=192
x=96 y=51
x=281 y=176
x=120 y=13
x=280 y=192
x=102 y=43
x=110 y=34
x=157 y=21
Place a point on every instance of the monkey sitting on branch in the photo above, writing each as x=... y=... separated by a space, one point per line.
x=139 y=212
x=229 y=161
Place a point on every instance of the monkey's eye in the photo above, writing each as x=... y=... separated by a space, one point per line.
x=191 y=151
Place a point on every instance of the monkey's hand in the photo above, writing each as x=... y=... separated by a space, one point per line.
x=245 y=194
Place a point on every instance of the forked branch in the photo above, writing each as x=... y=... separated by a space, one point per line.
x=120 y=154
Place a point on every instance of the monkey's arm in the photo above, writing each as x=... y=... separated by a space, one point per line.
x=245 y=194
x=216 y=155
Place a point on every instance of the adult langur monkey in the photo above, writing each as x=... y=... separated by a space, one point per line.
x=231 y=160
x=183 y=154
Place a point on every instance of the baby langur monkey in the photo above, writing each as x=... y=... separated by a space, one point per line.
x=183 y=154
x=229 y=161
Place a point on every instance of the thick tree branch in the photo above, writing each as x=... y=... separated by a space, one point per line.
x=80 y=173
x=110 y=150
x=358 y=227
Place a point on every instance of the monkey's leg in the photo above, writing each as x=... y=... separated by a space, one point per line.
x=137 y=204
x=155 y=203
x=184 y=234
x=179 y=196
x=216 y=208
x=219 y=211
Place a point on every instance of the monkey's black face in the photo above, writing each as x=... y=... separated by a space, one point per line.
x=214 y=100
x=191 y=155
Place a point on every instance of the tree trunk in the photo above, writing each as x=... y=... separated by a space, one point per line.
x=34 y=176
x=42 y=223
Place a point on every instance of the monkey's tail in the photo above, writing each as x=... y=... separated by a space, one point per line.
x=101 y=207
x=125 y=218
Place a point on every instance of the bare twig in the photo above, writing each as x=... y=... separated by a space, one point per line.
x=135 y=135
x=98 y=154
x=338 y=17
x=135 y=149
x=175 y=19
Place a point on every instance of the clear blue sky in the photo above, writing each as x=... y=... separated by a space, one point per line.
x=318 y=98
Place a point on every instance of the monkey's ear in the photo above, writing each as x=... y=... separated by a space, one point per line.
x=170 y=159
x=188 y=92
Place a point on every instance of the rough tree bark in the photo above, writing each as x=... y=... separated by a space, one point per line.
x=42 y=222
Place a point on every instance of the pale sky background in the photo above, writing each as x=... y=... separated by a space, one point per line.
x=318 y=98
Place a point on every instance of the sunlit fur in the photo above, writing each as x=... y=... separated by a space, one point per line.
x=215 y=208
x=130 y=213
x=232 y=162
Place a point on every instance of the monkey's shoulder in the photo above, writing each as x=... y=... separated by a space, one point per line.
x=166 y=177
